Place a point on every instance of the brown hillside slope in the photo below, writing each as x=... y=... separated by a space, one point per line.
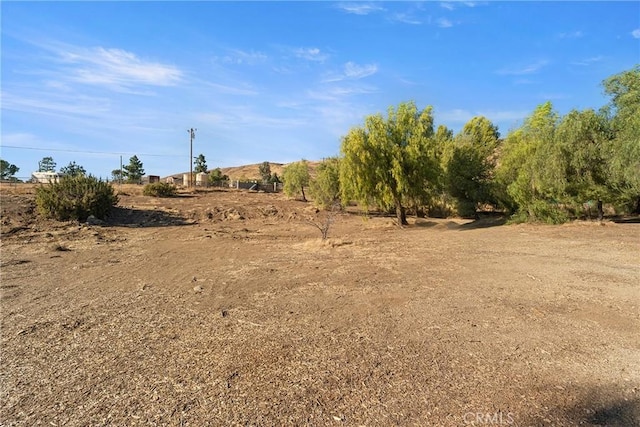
x=252 y=171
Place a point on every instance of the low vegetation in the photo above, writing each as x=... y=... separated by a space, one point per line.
x=160 y=189
x=76 y=198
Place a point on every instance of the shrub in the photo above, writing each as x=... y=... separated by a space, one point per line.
x=159 y=189
x=541 y=211
x=76 y=197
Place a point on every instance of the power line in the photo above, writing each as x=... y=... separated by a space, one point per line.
x=85 y=152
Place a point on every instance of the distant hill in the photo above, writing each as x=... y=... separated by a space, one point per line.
x=252 y=172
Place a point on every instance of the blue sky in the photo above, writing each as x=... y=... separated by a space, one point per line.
x=281 y=81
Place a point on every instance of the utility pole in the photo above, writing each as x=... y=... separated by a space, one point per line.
x=192 y=134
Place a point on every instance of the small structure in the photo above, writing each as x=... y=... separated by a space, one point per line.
x=46 y=177
x=202 y=179
x=150 y=179
x=186 y=180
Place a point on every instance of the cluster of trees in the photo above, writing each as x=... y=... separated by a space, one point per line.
x=545 y=170
x=130 y=173
x=265 y=173
x=8 y=171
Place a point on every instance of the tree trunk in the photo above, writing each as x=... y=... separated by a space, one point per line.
x=401 y=214
x=600 y=211
x=304 y=199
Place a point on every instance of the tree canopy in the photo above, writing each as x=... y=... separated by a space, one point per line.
x=296 y=177
x=73 y=169
x=46 y=165
x=325 y=187
x=551 y=168
x=391 y=162
x=8 y=170
x=134 y=171
x=200 y=164
x=265 y=171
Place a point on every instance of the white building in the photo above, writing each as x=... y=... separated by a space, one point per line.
x=46 y=177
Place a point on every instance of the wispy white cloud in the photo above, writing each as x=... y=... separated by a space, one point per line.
x=355 y=71
x=451 y=5
x=338 y=93
x=311 y=54
x=352 y=71
x=405 y=18
x=42 y=103
x=359 y=8
x=241 y=57
x=636 y=33
x=232 y=117
x=571 y=35
x=588 y=61
x=115 y=68
x=444 y=23
x=530 y=68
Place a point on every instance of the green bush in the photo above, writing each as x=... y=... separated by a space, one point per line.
x=159 y=189
x=541 y=211
x=75 y=198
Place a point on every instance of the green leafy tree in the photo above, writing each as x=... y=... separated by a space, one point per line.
x=8 y=170
x=581 y=138
x=532 y=175
x=392 y=161
x=200 y=164
x=117 y=175
x=216 y=176
x=46 y=165
x=325 y=187
x=274 y=178
x=296 y=177
x=265 y=171
x=134 y=171
x=623 y=151
x=470 y=165
x=73 y=169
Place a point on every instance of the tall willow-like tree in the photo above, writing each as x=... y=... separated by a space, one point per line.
x=530 y=171
x=470 y=165
x=624 y=150
x=325 y=187
x=296 y=177
x=581 y=138
x=390 y=162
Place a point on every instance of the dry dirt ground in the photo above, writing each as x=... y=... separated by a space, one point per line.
x=225 y=308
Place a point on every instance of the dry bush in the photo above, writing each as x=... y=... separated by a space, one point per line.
x=323 y=224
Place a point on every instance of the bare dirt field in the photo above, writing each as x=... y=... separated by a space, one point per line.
x=225 y=308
